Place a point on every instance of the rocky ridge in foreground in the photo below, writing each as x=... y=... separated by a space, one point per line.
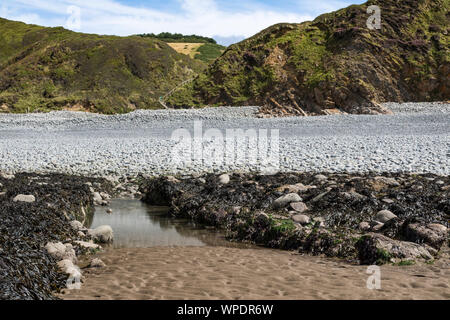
x=398 y=218
x=42 y=232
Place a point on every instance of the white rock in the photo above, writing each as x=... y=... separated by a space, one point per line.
x=105 y=196
x=88 y=245
x=384 y=216
x=77 y=225
x=102 y=234
x=109 y=210
x=376 y=225
x=301 y=218
x=98 y=200
x=299 y=207
x=388 y=181
x=66 y=266
x=97 y=263
x=7 y=176
x=364 y=226
x=321 y=221
x=74 y=272
x=24 y=198
x=283 y=201
x=299 y=187
x=321 y=177
x=224 y=179
x=60 y=251
x=438 y=227
x=173 y=179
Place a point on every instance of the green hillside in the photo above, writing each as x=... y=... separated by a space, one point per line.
x=334 y=63
x=43 y=69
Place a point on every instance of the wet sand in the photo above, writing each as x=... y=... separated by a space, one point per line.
x=253 y=274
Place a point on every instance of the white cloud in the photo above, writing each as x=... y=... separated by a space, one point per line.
x=202 y=17
x=318 y=7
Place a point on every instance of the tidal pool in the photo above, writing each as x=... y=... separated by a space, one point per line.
x=137 y=225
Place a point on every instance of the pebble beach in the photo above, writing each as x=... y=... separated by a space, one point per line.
x=415 y=139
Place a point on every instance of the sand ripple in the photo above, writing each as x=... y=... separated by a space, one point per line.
x=229 y=273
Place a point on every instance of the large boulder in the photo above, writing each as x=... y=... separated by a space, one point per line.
x=24 y=198
x=98 y=199
x=160 y=191
x=102 y=234
x=77 y=225
x=262 y=220
x=61 y=251
x=375 y=248
x=224 y=179
x=285 y=200
x=299 y=207
x=73 y=271
x=434 y=235
x=384 y=216
x=97 y=263
x=301 y=219
x=88 y=245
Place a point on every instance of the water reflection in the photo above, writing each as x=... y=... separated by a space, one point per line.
x=137 y=225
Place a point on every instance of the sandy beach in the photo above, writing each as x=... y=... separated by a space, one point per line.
x=237 y=274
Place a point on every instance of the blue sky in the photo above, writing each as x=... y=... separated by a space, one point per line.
x=227 y=21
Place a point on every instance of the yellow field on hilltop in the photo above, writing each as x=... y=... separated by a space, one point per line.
x=186 y=48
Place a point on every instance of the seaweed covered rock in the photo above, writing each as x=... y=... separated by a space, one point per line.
x=340 y=210
x=384 y=216
x=378 y=249
x=102 y=234
x=434 y=235
x=287 y=199
x=160 y=191
x=61 y=251
x=29 y=270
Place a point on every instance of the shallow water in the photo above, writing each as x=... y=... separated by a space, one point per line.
x=137 y=225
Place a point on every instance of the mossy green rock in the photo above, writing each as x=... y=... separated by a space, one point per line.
x=44 y=69
x=334 y=63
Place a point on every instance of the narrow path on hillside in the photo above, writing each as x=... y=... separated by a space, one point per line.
x=162 y=99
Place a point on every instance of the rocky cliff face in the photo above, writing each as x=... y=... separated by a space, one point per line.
x=43 y=69
x=335 y=63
